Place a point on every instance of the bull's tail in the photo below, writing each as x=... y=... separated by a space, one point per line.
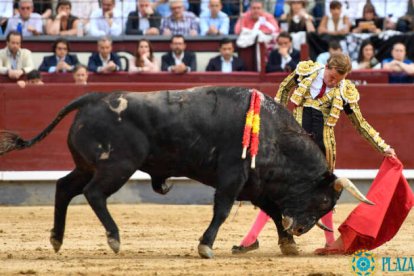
x=10 y=141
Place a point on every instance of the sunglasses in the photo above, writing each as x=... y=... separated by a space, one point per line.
x=25 y=8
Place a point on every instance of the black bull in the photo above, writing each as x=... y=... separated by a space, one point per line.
x=195 y=133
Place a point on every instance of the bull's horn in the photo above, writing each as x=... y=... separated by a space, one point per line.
x=323 y=227
x=287 y=222
x=345 y=183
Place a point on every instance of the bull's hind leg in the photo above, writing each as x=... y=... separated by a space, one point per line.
x=66 y=189
x=229 y=185
x=286 y=242
x=107 y=179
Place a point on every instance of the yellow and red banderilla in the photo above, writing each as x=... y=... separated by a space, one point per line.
x=252 y=128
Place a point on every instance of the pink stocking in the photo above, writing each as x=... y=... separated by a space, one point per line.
x=328 y=221
x=257 y=227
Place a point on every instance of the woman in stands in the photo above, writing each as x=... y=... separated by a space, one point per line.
x=64 y=23
x=370 y=22
x=336 y=23
x=366 y=57
x=298 y=18
x=144 y=60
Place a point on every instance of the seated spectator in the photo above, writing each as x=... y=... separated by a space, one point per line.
x=257 y=18
x=6 y=12
x=26 y=21
x=104 y=61
x=285 y=58
x=398 y=65
x=61 y=61
x=106 y=21
x=226 y=62
x=33 y=77
x=352 y=9
x=64 y=23
x=178 y=60
x=370 y=22
x=144 y=60
x=214 y=21
x=180 y=21
x=336 y=23
x=15 y=61
x=333 y=48
x=163 y=7
x=144 y=20
x=80 y=74
x=298 y=19
x=366 y=57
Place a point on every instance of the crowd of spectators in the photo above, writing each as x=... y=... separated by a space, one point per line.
x=280 y=23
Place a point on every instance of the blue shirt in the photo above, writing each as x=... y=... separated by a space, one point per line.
x=398 y=77
x=221 y=22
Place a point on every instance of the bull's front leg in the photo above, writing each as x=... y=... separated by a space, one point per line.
x=222 y=207
x=286 y=242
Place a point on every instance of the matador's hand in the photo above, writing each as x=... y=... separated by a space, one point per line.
x=390 y=152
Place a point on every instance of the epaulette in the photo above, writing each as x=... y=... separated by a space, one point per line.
x=349 y=92
x=308 y=67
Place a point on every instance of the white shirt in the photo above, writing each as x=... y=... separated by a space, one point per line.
x=144 y=24
x=226 y=66
x=286 y=60
x=100 y=27
x=316 y=85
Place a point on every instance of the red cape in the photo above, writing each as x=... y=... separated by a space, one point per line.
x=368 y=227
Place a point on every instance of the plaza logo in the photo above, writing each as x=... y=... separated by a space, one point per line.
x=363 y=263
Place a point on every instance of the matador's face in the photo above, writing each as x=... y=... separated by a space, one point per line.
x=332 y=78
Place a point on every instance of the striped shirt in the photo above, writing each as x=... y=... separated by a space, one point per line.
x=182 y=27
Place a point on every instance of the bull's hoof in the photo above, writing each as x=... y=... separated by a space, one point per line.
x=244 y=249
x=56 y=244
x=114 y=244
x=164 y=189
x=288 y=248
x=205 y=251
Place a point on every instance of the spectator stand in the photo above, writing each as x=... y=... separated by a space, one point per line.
x=204 y=47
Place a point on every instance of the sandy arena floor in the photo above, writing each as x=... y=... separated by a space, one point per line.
x=162 y=240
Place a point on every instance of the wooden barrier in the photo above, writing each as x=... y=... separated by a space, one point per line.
x=28 y=111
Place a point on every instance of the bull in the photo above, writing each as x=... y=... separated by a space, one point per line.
x=195 y=133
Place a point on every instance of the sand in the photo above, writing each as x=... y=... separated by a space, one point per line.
x=162 y=240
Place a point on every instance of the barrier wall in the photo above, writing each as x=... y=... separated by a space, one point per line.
x=389 y=108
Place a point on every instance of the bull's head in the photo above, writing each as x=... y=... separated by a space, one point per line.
x=300 y=215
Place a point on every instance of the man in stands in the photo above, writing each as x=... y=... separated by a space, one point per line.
x=26 y=21
x=80 y=74
x=226 y=62
x=178 y=60
x=214 y=21
x=15 y=61
x=285 y=58
x=61 y=61
x=180 y=21
x=106 y=21
x=104 y=61
x=333 y=48
x=257 y=18
x=144 y=20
